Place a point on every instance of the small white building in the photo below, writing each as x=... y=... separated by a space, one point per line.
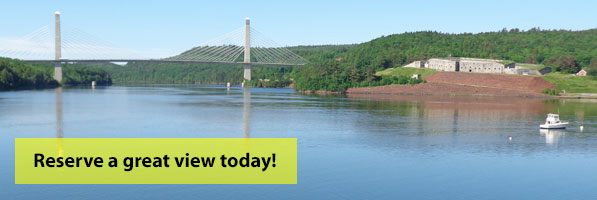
x=582 y=72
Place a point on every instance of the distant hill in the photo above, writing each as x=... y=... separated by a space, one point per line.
x=17 y=74
x=337 y=70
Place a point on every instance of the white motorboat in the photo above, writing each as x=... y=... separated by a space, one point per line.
x=553 y=122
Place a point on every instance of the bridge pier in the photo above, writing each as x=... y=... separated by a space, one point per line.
x=58 y=48
x=247 y=74
x=58 y=71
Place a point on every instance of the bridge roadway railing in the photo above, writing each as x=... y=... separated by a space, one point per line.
x=164 y=61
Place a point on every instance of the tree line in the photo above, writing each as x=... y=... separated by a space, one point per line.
x=155 y=72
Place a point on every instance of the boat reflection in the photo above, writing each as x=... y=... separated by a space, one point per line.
x=552 y=136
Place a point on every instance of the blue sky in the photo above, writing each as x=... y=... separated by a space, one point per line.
x=178 y=25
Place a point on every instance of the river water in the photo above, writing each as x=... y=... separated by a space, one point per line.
x=357 y=147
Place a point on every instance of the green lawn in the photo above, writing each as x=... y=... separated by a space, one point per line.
x=406 y=71
x=506 y=62
x=530 y=66
x=573 y=84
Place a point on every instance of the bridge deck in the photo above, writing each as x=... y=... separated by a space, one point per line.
x=164 y=61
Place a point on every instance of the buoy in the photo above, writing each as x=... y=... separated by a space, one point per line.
x=510 y=138
x=581 y=127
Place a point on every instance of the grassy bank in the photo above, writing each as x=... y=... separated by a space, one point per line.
x=405 y=71
x=573 y=84
x=531 y=66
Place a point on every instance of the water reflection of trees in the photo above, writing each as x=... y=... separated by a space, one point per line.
x=452 y=112
x=479 y=123
x=446 y=121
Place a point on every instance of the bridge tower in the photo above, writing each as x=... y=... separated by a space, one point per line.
x=247 y=74
x=58 y=48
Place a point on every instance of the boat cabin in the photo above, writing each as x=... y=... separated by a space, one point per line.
x=552 y=119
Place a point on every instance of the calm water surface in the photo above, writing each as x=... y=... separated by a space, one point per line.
x=348 y=147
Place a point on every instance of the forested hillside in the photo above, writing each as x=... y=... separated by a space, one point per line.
x=336 y=71
x=80 y=74
x=18 y=74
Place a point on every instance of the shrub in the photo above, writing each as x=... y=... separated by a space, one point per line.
x=551 y=92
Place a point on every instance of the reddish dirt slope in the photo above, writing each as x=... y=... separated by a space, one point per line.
x=459 y=83
x=512 y=82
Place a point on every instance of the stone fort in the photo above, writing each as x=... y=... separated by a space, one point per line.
x=473 y=65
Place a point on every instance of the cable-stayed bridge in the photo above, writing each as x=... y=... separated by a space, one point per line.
x=244 y=46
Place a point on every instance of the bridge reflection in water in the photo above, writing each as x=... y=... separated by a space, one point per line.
x=59 y=130
x=247 y=111
x=246 y=114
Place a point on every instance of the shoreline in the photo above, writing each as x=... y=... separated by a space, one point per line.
x=594 y=96
x=451 y=95
x=359 y=91
x=475 y=95
x=446 y=89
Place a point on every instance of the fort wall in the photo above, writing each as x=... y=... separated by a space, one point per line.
x=472 y=65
